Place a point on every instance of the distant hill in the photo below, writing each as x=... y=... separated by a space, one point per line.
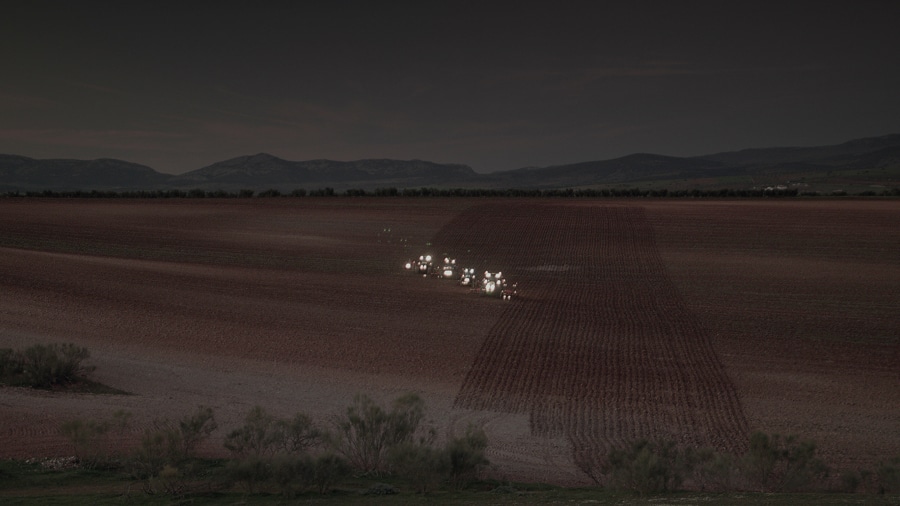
x=628 y=170
x=821 y=154
x=264 y=170
x=857 y=165
x=869 y=163
x=18 y=173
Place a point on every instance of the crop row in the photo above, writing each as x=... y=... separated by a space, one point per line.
x=599 y=348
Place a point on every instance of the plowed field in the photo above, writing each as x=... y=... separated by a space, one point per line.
x=696 y=321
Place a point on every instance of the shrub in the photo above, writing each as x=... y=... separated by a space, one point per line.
x=267 y=448
x=263 y=435
x=156 y=448
x=296 y=435
x=716 y=471
x=884 y=480
x=44 y=365
x=10 y=366
x=250 y=471
x=781 y=464
x=287 y=471
x=172 y=444
x=292 y=473
x=851 y=481
x=367 y=431
x=466 y=456
x=423 y=465
x=195 y=429
x=375 y=440
x=648 y=467
x=327 y=470
x=87 y=437
x=888 y=474
x=171 y=480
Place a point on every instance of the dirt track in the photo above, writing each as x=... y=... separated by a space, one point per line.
x=698 y=321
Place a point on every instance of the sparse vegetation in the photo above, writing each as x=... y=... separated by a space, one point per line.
x=888 y=475
x=467 y=456
x=267 y=448
x=271 y=454
x=90 y=439
x=366 y=432
x=166 y=455
x=782 y=464
x=771 y=464
x=648 y=467
x=44 y=365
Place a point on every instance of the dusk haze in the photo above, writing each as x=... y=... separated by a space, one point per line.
x=390 y=252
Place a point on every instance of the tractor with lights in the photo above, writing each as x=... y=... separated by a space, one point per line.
x=468 y=278
x=495 y=285
x=449 y=270
x=424 y=265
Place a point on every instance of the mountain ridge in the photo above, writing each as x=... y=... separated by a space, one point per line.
x=872 y=161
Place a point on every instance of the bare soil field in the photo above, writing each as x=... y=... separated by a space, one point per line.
x=696 y=321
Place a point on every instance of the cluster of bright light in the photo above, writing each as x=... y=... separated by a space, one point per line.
x=492 y=282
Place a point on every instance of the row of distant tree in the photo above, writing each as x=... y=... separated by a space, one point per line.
x=450 y=192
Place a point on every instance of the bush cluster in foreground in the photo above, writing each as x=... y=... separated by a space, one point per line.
x=288 y=455
x=295 y=455
x=772 y=463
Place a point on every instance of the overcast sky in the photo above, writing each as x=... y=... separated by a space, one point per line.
x=496 y=86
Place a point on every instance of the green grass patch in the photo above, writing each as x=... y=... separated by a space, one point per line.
x=23 y=483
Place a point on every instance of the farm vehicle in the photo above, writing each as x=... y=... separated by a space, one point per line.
x=492 y=284
x=449 y=269
x=424 y=265
x=495 y=285
x=468 y=278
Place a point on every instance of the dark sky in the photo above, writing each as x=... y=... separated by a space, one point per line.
x=497 y=86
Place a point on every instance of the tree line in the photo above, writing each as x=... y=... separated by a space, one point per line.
x=448 y=192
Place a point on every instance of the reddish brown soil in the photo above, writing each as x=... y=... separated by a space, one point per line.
x=698 y=321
